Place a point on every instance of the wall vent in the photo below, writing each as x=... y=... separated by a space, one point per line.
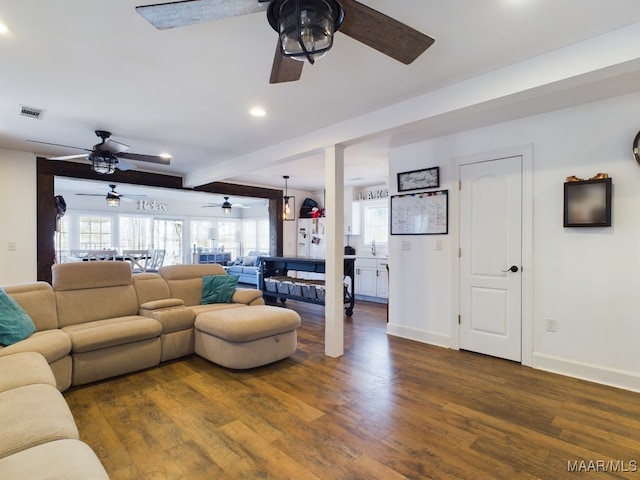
x=31 y=112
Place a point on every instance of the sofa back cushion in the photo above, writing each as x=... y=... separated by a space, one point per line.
x=185 y=281
x=15 y=324
x=88 y=291
x=38 y=300
x=150 y=287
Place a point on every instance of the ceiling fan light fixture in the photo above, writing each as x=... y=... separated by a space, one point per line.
x=226 y=206
x=103 y=163
x=305 y=27
x=113 y=200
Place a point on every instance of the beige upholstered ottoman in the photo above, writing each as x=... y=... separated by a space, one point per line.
x=246 y=337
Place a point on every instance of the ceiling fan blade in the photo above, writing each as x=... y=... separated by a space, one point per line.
x=123 y=165
x=113 y=146
x=285 y=69
x=189 y=12
x=127 y=197
x=91 y=194
x=69 y=157
x=58 y=145
x=145 y=158
x=383 y=33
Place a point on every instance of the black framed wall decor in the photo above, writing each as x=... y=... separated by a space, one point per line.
x=419 y=179
x=587 y=203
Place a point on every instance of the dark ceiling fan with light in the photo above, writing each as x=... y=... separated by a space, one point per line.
x=305 y=27
x=113 y=198
x=226 y=205
x=108 y=155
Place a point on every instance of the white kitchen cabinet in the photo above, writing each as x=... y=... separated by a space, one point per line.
x=371 y=279
x=351 y=213
x=382 y=279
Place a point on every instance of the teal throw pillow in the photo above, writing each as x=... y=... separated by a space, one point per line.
x=15 y=324
x=218 y=288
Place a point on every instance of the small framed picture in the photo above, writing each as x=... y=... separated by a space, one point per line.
x=419 y=179
x=587 y=203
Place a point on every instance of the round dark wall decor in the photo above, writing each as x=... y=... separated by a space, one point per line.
x=636 y=153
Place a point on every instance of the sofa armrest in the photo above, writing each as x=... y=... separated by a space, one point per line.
x=160 y=304
x=248 y=296
x=170 y=312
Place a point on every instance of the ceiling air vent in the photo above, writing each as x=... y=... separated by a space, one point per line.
x=31 y=112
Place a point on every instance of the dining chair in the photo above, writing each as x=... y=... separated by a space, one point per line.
x=157 y=259
x=94 y=255
x=139 y=259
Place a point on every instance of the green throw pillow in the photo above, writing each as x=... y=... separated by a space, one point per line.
x=15 y=324
x=218 y=288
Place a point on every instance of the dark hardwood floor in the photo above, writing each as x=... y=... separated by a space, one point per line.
x=388 y=409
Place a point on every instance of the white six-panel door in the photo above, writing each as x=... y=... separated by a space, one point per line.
x=491 y=257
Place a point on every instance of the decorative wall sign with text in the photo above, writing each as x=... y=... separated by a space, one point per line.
x=419 y=179
x=152 y=205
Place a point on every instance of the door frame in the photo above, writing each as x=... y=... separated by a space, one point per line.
x=526 y=152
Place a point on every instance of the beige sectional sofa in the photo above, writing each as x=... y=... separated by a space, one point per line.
x=98 y=320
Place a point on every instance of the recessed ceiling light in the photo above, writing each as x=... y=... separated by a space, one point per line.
x=165 y=155
x=258 y=112
x=3 y=28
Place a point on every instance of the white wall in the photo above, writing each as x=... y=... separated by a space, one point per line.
x=585 y=279
x=18 y=213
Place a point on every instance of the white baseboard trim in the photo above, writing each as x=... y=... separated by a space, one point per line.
x=431 y=338
x=585 y=371
x=371 y=299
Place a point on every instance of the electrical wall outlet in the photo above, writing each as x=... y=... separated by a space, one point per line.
x=12 y=246
x=551 y=325
x=406 y=245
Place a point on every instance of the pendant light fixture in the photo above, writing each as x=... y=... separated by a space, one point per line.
x=287 y=201
x=306 y=27
x=226 y=206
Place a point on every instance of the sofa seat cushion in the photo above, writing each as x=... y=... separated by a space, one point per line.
x=59 y=460
x=53 y=344
x=247 y=324
x=32 y=415
x=86 y=337
x=24 y=368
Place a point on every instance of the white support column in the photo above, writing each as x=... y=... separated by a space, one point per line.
x=334 y=235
